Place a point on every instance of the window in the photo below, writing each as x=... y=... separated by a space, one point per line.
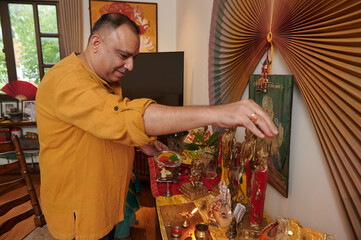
x=29 y=39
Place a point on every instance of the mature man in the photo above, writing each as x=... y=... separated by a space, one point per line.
x=87 y=131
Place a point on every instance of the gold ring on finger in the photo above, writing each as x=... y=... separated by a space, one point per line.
x=254 y=117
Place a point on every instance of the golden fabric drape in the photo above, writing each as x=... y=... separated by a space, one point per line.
x=321 y=42
x=71 y=19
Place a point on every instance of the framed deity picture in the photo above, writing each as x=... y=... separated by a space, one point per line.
x=7 y=106
x=143 y=14
x=29 y=110
x=277 y=101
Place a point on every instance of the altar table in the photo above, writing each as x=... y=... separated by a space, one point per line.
x=169 y=209
x=216 y=233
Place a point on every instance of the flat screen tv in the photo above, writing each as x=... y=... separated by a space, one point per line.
x=158 y=76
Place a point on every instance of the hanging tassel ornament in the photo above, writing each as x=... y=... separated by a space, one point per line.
x=263 y=82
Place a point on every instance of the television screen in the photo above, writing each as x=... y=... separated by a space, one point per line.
x=158 y=76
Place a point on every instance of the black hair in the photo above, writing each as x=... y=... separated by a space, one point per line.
x=111 y=21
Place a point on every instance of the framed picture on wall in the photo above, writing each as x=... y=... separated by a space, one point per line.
x=143 y=14
x=29 y=110
x=7 y=106
x=277 y=102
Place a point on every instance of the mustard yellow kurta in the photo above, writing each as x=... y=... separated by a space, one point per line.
x=87 y=132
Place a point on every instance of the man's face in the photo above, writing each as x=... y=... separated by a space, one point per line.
x=116 y=54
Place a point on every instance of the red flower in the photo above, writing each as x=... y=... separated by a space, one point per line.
x=127 y=10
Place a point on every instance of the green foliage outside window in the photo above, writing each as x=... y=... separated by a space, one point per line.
x=24 y=40
x=3 y=70
x=23 y=35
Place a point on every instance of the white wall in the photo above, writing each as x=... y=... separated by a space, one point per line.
x=193 y=21
x=313 y=199
x=166 y=23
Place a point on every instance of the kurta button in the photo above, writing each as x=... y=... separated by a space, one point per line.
x=116 y=108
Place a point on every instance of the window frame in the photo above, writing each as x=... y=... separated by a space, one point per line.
x=7 y=36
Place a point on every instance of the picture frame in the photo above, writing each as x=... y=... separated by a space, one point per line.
x=277 y=101
x=6 y=107
x=29 y=110
x=143 y=14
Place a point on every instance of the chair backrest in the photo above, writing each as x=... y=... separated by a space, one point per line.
x=23 y=181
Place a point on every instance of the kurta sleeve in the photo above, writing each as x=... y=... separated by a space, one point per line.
x=91 y=107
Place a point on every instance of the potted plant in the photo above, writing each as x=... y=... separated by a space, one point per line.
x=202 y=146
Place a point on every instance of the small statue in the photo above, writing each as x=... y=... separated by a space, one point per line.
x=219 y=203
x=225 y=197
x=196 y=170
x=228 y=139
x=236 y=173
x=221 y=209
x=248 y=152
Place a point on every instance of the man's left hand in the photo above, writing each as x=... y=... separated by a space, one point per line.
x=152 y=148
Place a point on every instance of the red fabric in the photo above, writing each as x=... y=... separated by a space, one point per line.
x=153 y=177
x=158 y=189
x=258 y=196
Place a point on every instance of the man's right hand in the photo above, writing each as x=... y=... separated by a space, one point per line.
x=240 y=114
x=161 y=119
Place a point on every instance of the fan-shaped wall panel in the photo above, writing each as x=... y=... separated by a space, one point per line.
x=320 y=41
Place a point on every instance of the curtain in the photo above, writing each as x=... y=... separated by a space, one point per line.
x=320 y=41
x=71 y=24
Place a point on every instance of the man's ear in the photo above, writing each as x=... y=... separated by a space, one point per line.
x=95 y=42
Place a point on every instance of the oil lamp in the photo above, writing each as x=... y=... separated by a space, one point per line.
x=187 y=216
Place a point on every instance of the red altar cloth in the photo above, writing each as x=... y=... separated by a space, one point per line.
x=159 y=188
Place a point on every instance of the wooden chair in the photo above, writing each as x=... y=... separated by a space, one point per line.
x=9 y=186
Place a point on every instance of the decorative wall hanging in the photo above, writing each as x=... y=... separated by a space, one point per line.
x=21 y=90
x=277 y=102
x=143 y=14
x=320 y=41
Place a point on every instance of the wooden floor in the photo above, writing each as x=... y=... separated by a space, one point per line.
x=146 y=226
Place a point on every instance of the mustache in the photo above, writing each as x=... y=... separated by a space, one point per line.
x=122 y=70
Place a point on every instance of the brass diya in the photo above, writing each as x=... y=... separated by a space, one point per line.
x=187 y=216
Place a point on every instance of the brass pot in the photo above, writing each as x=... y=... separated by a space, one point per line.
x=201 y=231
